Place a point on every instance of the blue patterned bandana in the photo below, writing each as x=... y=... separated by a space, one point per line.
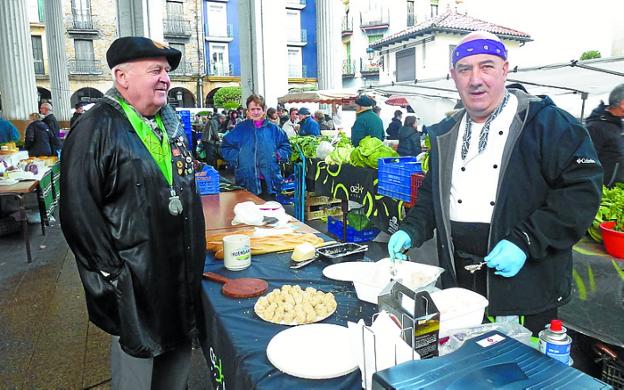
x=479 y=46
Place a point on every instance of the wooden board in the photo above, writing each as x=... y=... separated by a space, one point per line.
x=239 y=288
x=269 y=244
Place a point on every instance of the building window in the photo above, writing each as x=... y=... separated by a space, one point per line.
x=182 y=67
x=175 y=9
x=40 y=11
x=434 y=8
x=85 y=62
x=295 y=66
x=81 y=12
x=217 y=20
x=293 y=26
x=406 y=65
x=374 y=37
x=451 y=49
x=37 y=47
x=219 y=62
x=411 y=19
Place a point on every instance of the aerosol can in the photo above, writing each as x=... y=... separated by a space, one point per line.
x=554 y=342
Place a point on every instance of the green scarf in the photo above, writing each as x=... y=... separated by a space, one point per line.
x=160 y=151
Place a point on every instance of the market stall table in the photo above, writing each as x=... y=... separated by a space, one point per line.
x=19 y=190
x=236 y=338
x=219 y=210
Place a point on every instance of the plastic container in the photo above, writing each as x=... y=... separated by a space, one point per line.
x=346 y=251
x=459 y=308
x=207 y=181
x=414 y=276
x=334 y=227
x=613 y=240
x=395 y=177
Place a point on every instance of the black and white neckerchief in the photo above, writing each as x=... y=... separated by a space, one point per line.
x=483 y=136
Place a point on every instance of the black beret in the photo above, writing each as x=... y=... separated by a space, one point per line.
x=365 y=101
x=132 y=48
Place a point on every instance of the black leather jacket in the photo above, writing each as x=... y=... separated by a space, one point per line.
x=114 y=215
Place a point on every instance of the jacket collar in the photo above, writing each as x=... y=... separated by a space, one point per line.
x=170 y=118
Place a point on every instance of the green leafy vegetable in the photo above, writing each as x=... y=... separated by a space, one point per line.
x=369 y=151
x=611 y=209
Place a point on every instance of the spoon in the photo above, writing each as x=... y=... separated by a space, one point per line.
x=472 y=268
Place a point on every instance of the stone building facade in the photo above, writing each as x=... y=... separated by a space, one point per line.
x=92 y=25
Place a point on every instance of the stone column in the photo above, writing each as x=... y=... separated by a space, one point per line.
x=329 y=43
x=57 y=60
x=263 y=50
x=17 y=73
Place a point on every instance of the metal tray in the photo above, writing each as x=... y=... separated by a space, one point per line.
x=341 y=251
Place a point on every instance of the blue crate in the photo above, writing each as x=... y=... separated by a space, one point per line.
x=334 y=227
x=207 y=181
x=285 y=199
x=394 y=177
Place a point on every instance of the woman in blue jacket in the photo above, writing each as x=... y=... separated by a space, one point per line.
x=254 y=148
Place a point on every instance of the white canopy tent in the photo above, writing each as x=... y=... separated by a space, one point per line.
x=575 y=86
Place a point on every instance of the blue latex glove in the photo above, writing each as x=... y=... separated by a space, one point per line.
x=399 y=242
x=506 y=258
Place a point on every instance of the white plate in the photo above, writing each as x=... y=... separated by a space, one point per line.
x=315 y=351
x=349 y=271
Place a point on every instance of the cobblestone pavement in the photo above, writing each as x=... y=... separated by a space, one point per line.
x=46 y=340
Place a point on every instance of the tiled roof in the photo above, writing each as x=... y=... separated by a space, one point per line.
x=451 y=21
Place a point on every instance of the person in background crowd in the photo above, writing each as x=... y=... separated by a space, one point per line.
x=233 y=119
x=78 y=110
x=131 y=214
x=307 y=125
x=273 y=117
x=210 y=139
x=292 y=124
x=39 y=140
x=409 y=138
x=324 y=121
x=49 y=119
x=367 y=123
x=282 y=114
x=395 y=125
x=254 y=149
x=8 y=132
x=377 y=110
x=607 y=133
x=513 y=181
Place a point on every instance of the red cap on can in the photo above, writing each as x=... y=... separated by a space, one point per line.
x=555 y=325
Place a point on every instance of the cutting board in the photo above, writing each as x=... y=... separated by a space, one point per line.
x=269 y=244
x=239 y=288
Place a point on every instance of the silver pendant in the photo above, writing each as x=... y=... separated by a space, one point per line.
x=175 y=206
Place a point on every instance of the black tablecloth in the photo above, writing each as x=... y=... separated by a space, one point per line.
x=359 y=185
x=236 y=338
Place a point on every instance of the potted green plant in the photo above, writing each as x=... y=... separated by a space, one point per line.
x=608 y=225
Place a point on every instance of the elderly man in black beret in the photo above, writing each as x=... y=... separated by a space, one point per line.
x=367 y=123
x=131 y=215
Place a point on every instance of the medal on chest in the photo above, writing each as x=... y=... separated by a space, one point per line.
x=175 y=205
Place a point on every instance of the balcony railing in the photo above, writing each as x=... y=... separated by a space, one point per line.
x=177 y=27
x=300 y=39
x=347 y=26
x=375 y=20
x=348 y=68
x=299 y=4
x=183 y=69
x=219 y=33
x=85 y=66
x=219 y=69
x=81 y=19
x=370 y=68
